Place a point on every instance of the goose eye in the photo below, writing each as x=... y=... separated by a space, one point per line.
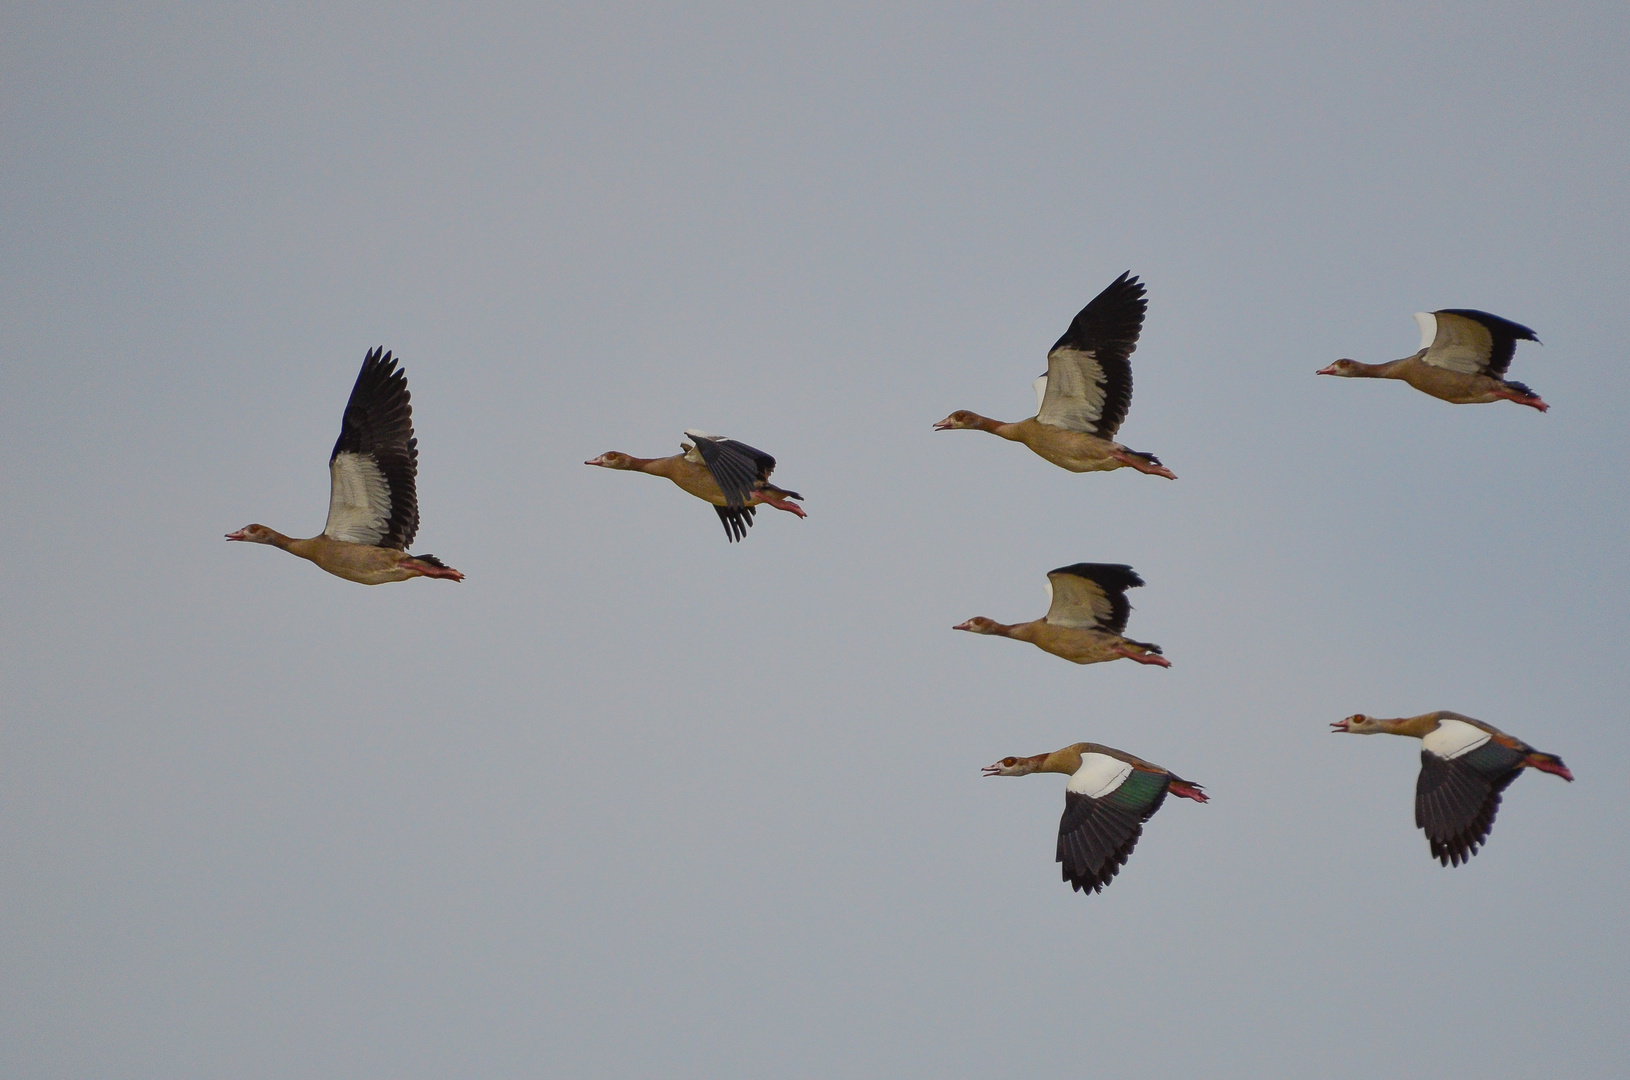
x=1010 y=762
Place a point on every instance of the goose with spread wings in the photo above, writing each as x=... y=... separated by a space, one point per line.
x=1086 y=391
x=731 y=475
x=373 y=509
x=1086 y=620
x=1109 y=795
x=1465 y=766
x=1463 y=359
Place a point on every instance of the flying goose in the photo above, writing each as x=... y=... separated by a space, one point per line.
x=1463 y=359
x=1084 y=395
x=1465 y=765
x=731 y=475
x=373 y=510
x=1085 y=619
x=1109 y=796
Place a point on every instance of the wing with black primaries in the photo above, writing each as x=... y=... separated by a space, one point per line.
x=372 y=497
x=1091 y=596
x=1456 y=798
x=1096 y=835
x=1473 y=342
x=1089 y=370
x=736 y=467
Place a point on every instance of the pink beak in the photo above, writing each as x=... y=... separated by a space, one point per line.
x=1340 y=725
x=1329 y=370
x=236 y=535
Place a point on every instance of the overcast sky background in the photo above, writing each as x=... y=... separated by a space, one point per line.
x=633 y=801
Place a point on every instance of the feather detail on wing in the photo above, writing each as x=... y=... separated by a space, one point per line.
x=372 y=497
x=1091 y=596
x=1456 y=798
x=1096 y=834
x=736 y=520
x=1469 y=341
x=1088 y=385
x=736 y=467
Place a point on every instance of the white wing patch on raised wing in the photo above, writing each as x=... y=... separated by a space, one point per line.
x=359 y=500
x=1082 y=605
x=1098 y=775
x=1461 y=344
x=1074 y=397
x=1454 y=738
x=1040 y=387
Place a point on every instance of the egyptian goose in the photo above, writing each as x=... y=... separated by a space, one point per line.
x=1083 y=397
x=1465 y=764
x=1109 y=796
x=731 y=475
x=373 y=510
x=1085 y=619
x=1462 y=359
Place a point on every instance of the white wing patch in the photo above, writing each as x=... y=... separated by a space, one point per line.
x=359 y=500
x=1040 y=387
x=1454 y=738
x=1098 y=775
x=1428 y=323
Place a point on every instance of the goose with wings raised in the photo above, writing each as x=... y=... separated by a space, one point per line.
x=1465 y=765
x=373 y=509
x=1084 y=395
x=731 y=475
x=1110 y=794
x=1463 y=359
x=1086 y=620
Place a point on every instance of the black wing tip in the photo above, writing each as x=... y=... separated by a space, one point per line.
x=736 y=521
x=1493 y=322
x=1111 y=577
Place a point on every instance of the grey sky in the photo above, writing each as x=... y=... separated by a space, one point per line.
x=631 y=801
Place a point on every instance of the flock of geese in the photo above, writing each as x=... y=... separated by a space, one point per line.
x=373 y=515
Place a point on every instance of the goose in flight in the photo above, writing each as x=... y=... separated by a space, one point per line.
x=1084 y=395
x=1110 y=794
x=1463 y=359
x=1465 y=765
x=1086 y=620
x=373 y=509
x=731 y=475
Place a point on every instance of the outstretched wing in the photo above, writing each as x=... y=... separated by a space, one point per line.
x=736 y=467
x=372 y=498
x=1098 y=831
x=1470 y=342
x=1088 y=385
x=1091 y=596
x=1456 y=798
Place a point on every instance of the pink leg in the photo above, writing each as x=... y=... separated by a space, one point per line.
x=424 y=569
x=1546 y=763
x=781 y=504
x=1143 y=466
x=1144 y=658
x=1532 y=401
x=1185 y=790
